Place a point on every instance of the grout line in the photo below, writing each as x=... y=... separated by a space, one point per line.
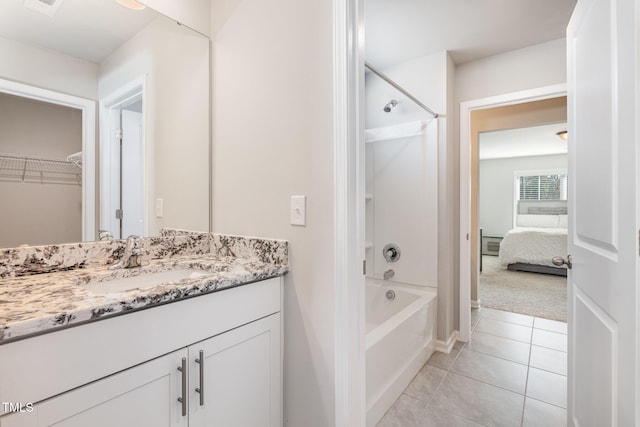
x=462 y=416
x=464 y=345
x=548 y=403
x=437 y=389
x=487 y=383
x=553 y=332
x=526 y=381
x=428 y=403
x=501 y=336
x=548 y=371
x=549 y=348
x=508 y=321
x=501 y=357
x=529 y=367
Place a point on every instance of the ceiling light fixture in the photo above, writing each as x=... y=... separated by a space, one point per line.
x=131 y=4
x=562 y=135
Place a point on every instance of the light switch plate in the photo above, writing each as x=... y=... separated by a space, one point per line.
x=159 y=208
x=298 y=210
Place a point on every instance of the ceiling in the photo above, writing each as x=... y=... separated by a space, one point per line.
x=396 y=30
x=399 y=30
x=522 y=142
x=85 y=29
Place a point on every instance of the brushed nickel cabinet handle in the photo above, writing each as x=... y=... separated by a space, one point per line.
x=183 y=398
x=200 y=361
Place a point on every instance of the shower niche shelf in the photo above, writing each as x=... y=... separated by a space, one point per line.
x=36 y=169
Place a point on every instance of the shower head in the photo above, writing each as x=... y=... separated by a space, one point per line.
x=390 y=105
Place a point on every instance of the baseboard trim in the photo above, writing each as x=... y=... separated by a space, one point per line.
x=475 y=304
x=447 y=346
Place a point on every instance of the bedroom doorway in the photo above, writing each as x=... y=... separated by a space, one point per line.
x=542 y=106
x=522 y=219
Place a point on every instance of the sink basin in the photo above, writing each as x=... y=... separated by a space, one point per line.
x=143 y=281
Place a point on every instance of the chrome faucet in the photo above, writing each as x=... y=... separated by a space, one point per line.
x=133 y=251
x=105 y=235
x=389 y=274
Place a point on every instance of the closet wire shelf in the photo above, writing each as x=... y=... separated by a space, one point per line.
x=36 y=169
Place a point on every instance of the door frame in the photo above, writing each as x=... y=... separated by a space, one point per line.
x=349 y=198
x=466 y=108
x=110 y=107
x=88 y=108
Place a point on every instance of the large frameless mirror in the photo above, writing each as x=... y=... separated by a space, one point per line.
x=105 y=122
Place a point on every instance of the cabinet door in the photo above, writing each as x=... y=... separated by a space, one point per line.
x=145 y=395
x=241 y=377
x=19 y=419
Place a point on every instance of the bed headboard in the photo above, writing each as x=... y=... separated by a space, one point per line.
x=541 y=221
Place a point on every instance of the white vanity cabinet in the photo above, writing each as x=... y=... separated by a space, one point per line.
x=232 y=376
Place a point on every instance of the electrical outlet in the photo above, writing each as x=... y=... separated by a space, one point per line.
x=298 y=210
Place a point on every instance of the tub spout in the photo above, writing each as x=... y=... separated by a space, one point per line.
x=389 y=274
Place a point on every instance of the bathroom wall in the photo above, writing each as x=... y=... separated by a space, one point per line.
x=64 y=73
x=496 y=184
x=527 y=68
x=273 y=138
x=193 y=13
x=169 y=57
x=37 y=213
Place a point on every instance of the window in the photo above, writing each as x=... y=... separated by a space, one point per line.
x=542 y=187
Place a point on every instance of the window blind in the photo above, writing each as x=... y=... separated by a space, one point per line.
x=542 y=187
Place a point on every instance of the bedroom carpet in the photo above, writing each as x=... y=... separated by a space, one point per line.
x=533 y=294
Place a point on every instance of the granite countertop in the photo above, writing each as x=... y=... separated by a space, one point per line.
x=38 y=303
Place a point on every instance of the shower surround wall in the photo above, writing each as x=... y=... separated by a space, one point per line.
x=402 y=181
x=402 y=169
x=430 y=79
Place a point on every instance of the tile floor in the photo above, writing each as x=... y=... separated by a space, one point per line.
x=513 y=372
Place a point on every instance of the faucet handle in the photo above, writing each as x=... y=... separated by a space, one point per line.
x=133 y=252
x=134 y=245
x=105 y=235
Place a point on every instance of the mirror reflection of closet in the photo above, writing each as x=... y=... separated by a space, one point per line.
x=40 y=172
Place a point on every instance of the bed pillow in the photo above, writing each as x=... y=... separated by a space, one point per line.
x=540 y=221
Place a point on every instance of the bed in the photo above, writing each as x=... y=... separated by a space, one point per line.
x=534 y=242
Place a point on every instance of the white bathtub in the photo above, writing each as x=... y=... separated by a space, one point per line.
x=400 y=339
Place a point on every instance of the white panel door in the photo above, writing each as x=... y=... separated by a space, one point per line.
x=241 y=381
x=145 y=395
x=603 y=230
x=132 y=169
